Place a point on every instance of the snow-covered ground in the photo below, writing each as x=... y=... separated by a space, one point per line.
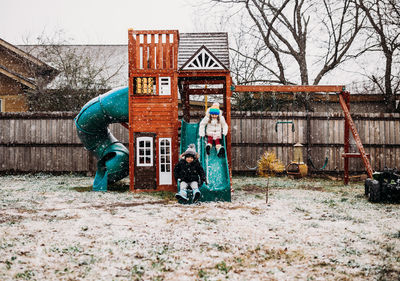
x=55 y=228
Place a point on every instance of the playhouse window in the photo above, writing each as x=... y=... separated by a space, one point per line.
x=165 y=161
x=145 y=85
x=144 y=151
x=165 y=86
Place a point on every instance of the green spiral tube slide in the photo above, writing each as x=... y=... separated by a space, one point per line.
x=92 y=127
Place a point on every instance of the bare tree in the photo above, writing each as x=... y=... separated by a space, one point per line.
x=84 y=72
x=81 y=67
x=297 y=34
x=383 y=34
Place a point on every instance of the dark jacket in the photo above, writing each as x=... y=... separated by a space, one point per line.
x=189 y=172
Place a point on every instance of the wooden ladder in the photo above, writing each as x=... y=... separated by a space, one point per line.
x=344 y=100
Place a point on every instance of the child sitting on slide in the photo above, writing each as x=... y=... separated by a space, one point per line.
x=211 y=126
x=189 y=172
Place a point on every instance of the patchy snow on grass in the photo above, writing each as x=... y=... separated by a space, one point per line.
x=56 y=228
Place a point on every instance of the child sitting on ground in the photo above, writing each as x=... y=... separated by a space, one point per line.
x=212 y=125
x=189 y=172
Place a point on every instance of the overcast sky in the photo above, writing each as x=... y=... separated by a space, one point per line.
x=97 y=21
x=108 y=21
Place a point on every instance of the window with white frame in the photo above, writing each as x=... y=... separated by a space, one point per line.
x=165 y=86
x=144 y=151
x=165 y=161
x=1 y=105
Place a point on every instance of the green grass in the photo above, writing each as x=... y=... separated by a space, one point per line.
x=166 y=195
x=26 y=275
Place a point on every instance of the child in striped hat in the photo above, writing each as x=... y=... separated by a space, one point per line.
x=213 y=126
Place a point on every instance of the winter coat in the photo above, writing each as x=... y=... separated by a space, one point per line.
x=213 y=128
x=189 y=172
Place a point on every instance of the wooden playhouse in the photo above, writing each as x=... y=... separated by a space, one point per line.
x=164 y=64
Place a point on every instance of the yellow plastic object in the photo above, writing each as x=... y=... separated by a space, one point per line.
x=145 y=89
x=298 y=153
x=297 y=169
x=150 y=86
x=138 y=85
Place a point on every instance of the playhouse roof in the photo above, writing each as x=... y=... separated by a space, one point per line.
x=215 y=42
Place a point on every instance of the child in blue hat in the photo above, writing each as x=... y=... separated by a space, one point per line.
x=213 y=126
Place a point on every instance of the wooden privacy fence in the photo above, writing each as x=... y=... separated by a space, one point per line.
x=45 y=142
x=36 y=142
x=254 y=133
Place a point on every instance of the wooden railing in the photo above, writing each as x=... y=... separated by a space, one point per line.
x=153 y=50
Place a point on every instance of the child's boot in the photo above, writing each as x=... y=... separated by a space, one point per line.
x=182 y=195
x=221 y=151
x=196 y=195
x=208 y=148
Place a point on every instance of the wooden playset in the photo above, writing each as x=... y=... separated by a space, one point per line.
x=163 y=61
x=162 y=65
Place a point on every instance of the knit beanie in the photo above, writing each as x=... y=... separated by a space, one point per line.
x=191 y=151
x=214 y=109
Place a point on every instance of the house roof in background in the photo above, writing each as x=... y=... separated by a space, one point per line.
x=17 y=77
x=42 y=67
x=113 y=57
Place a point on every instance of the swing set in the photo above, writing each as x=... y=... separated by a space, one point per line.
x=291 y=122
x=309 y=160
x=349 y=126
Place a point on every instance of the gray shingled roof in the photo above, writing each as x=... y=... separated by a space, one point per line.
x=113 y=58
x=216 y=42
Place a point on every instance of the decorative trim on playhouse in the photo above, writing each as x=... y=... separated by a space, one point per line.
x=203 y=59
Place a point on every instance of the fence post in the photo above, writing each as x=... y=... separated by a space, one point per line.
x=308 y=149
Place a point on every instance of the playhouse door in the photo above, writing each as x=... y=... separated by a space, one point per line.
x=145 y=164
